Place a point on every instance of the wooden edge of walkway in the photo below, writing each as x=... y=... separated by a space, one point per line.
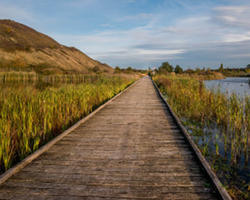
x=15 y=169
x=205 y=165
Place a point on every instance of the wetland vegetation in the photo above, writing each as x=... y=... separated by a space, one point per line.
x=36 y=108
x=219 y=124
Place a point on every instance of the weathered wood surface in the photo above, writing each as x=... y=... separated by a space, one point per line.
x=131 y=149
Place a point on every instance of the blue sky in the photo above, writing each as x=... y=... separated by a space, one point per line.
x=144 y=33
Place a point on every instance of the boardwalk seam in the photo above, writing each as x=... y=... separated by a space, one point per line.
x=12 y=171
x=212 y=176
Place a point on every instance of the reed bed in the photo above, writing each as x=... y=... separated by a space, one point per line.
x=202 y=109
x=15 y=76
x=30 y=117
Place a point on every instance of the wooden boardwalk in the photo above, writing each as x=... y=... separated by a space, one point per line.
x=131 y=149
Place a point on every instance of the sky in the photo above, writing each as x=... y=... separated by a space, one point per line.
x=144 y=33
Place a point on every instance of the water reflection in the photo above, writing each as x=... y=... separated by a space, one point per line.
x=225 y=152
x=238 y=85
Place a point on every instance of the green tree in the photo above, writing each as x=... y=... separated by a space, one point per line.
x=165 y=67
x=178 y=69
x=247 y=70
x=189 y=71
x=117 y=69
x=129 y=68
x=208 y=71
x=149 y=72
x=197 y=70
x=221 y=69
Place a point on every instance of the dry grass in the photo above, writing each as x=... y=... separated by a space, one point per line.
x=23 y=48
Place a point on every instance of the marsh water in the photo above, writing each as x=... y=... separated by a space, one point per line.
x=226 y=153
x=238 y=85
x=228 y=157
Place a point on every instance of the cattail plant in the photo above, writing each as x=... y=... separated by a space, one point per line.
x=30 y=117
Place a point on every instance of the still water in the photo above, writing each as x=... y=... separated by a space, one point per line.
x=228 y=157
x=237 y=85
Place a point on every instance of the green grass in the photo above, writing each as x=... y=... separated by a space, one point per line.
x=30 y=117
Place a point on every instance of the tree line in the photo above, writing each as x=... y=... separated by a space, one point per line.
x=166 y=67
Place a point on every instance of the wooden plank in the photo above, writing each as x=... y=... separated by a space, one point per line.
x=218 y=185
x=104 y=190
x=5 y=176
x=131 y=149
x=91 y=179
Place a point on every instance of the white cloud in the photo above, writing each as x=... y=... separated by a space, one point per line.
x=237 y=37
x=233 y=16
x=122 y=46
x=197 y=38
x=160 y=52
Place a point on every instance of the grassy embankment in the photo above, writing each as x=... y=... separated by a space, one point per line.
x=236 y=72
x=201 y=108
x=30 y=116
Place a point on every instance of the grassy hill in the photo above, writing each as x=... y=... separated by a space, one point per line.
x=24 y=49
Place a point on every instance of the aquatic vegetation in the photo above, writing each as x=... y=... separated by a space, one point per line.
x=30 y=117
x=219 y=124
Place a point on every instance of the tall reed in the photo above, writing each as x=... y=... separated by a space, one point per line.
x=30 y=117
x=190 y=99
